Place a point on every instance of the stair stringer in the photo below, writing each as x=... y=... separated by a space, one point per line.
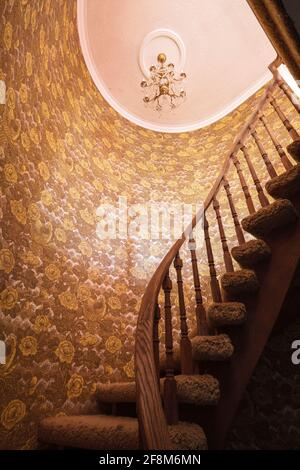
x=275 y=277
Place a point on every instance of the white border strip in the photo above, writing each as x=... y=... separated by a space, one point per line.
x=82 y=28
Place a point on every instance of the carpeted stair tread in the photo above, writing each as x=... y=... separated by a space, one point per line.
x=241 y=282
x=226 y=313
x=285 y=185
x=212 y=348
x=294 y=150
x=102 y=432
x=206 y=348
x=265 y=220
x=200 y=390
x=251 y=253
x=187 y=436
x=90 y=432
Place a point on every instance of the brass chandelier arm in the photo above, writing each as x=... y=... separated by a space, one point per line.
x=163 y=83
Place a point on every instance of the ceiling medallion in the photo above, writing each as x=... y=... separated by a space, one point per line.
x=163 y=87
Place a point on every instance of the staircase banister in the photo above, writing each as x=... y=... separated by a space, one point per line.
x=273 y=67
x=238 y=142
x=154 y=430
x=153 y=426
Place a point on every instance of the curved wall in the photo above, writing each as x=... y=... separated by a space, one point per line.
x=69 y=301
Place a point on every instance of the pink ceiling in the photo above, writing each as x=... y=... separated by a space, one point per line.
x=227 y=55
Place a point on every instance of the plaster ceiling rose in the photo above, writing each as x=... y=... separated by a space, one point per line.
x=219 y=45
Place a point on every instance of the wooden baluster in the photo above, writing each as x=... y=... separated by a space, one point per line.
x=226 y=253
x=283 y=156
x=214 y=283
x=245 y=188
x=186 y=359
x=170 y=389
x=202 y=327
x=287 y=124
x=288 y=93
x=156 y=339
x=237 y=225
x=265 y=157
x=261 y=195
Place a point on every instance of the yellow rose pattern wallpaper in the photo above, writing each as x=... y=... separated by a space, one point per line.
x=69 y=301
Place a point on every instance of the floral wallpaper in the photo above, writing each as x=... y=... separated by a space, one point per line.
x=69 y=301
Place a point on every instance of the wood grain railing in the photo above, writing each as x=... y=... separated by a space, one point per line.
x=159 y=408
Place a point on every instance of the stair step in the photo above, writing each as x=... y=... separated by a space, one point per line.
x=241 y=282
x=251 y=253
x=199 y=390
x=285 y=185
x=294 y=150
x=102 y=432
x=265 y=220
x=207 y=348
x=212 y=348
x=226 y=313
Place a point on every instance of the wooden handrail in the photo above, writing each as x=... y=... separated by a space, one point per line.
x=238 y=141
x=153 y=427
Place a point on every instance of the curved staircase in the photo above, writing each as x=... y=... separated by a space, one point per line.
x=186 y=396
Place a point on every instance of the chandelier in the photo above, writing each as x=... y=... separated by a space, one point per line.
x=163 y=87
